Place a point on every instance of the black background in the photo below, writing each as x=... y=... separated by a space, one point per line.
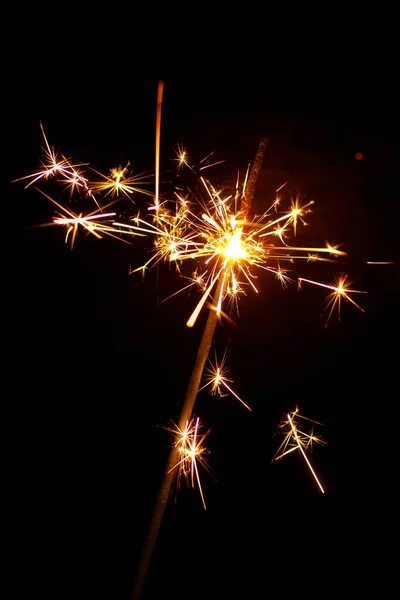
x=102 y=365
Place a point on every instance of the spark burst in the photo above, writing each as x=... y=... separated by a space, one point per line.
x=216 y=377
x=225 y=245
x=191 y=450
x=119 y=183
x=54 y=164
x=340 y=290
x=296 y=439
x=95 y=223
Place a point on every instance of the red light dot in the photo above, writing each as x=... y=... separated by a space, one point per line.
x=359 y=156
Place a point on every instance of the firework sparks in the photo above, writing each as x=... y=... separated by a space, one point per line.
x=207 y=228
x=340 y=290
x=94 y=223
x=120 y=183
x=216 y=377
x=225 y=244
x=190 y=446
x=296 y=439
x=55 y=164
x=182 y=158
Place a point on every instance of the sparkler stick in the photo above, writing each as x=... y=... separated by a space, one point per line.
x=173 y=458
x=251 y=182
x=157 y=167
x=158 y=132
x=188 y=404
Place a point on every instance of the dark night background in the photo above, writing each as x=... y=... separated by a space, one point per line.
x=102 y=366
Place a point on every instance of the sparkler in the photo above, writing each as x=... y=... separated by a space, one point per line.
x=212 y=229
x=296 y=439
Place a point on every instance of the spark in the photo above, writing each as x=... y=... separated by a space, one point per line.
x=55 y=164
x=182 y=158
x=119 y=183
x=340 y=289
x=296 y=439
x=93 y=222
x=216 y=375
x=190 y=446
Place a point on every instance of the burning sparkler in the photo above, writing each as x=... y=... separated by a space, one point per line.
x=296 y=439
x=211 y=229
x=225 y=244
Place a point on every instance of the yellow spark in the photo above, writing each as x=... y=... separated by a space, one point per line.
x=297 y=211
x=55 y=164
x=295 y=439
x=90 y=222
x=216 y=375
x=182 y=158
x=191 y=450
x=282 y=277
x=340 y=289
x=119 y=183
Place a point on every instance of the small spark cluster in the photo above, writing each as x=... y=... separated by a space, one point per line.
x=191 y=451
x=295 y=439
x=216 y=377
